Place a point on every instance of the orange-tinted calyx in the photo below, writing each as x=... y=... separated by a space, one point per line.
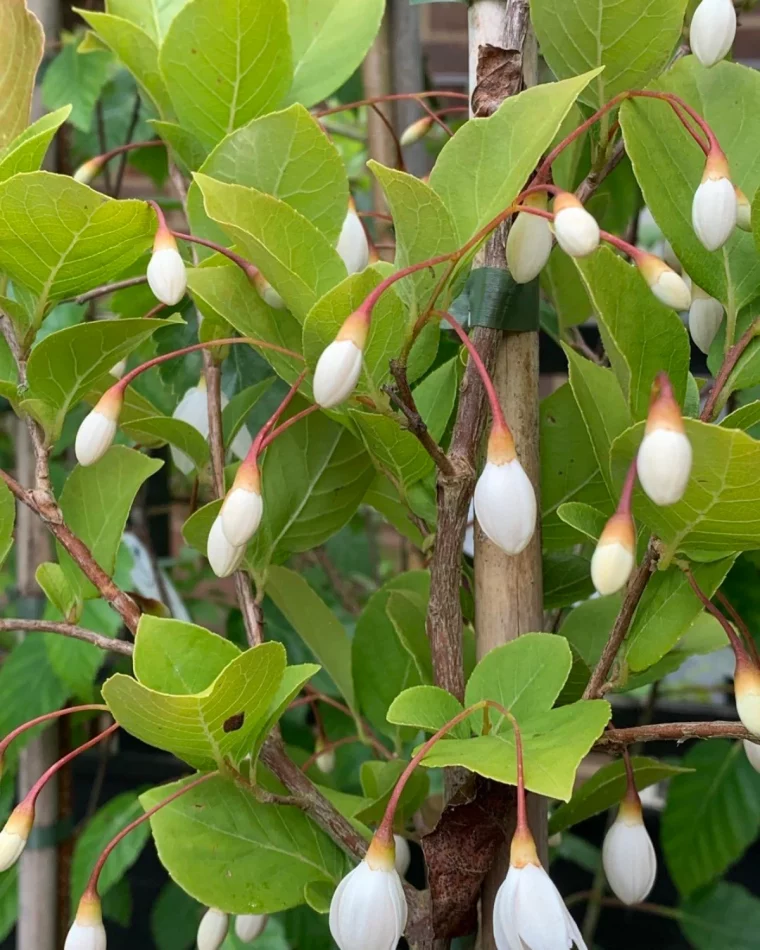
x=664 y=411
x=501 y=445
x=355 y=328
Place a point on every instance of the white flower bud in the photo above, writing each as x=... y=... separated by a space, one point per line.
x=340 y=365
x=615 y=555
x=714 y=209
x=712 y=31
x=529 y=243
x=193 y=409
x=505 y=502
x=15 y=834
x=96 y=433
x=224 y=558
x=368 y=910
x=576 y=230
x=628 y=855
x=212 y=930
x=705 y=316
x=403 y=855
x=752 y=750
x=250 y=926
x=664 y=457
x=88 y=171
x=416 y=131
x=325 y=761
x=529 y=911
x=743 y=211
x=243 y=507
x=267 y=292
x=352 y=245
x=664 y=283
x=87 y=932
x=747 y=694
x=118 y=369
x=167 y=276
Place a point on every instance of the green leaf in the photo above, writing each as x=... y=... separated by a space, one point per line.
x=383 y=497
x=202 y=728
x=386 y=334
x=316 y=624
x=606 y=788
x=323 y=58
x=163 y=429
x=584 y=518
x=567 y=579
x=423 y=229
x=669 y=166
x=712 y=816
x=717 y=515
x=288 y=156
x=519 y=132
x=174 y=919
x=8 y=901
x=76 y=663
x=378 y=783
x=112 y=818
x=293 y=255
x=153 y=16
x=395 y=450
x=67 y=363
x=586 y=628
x=87 y=240
x=7 y=520
x=136 y=49
x=632 y=41
x=436 y=396
x=175 y=657
x=75 y=79
x=382 y=665
x=667 y=610
x=26 y=152
x=625 y=305
x=96 y=501
x=24 y=42
x=225 y=62
x=429 y=708
x=561 y=281
x=240 y=406
x=256 y=858
x=293 y=680
x=569 y=469
x=726 y=916
x=190 y=152
x=65 y=598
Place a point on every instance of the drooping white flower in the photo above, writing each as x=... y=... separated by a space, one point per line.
x=352 y=245
x=664 y=283
x=752 y=750
x=340 y=365
x=369 y=910
x=665 y=456
x=628 y=855
x=505 y=502
x=576 y=230
x=529 y=242
x=98 y=429
x=212 y=929
x=224 y=558
x=87 y=932
x=743 y=211
x=15 y=834
x=705 y=317
x=403 y=855
x=243 y=506
x=167 y=276
x=747 y=694
x=193 y=409
x=250 y=926
x=714 y=209
x=529 y=913
x=615 y=555
x=712 y=31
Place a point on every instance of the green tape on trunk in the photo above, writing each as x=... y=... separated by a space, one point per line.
x=496 y=301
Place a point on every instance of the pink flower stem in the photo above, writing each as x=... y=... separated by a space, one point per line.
x=31 y=796
x=255 y=448
x=250 y=270
x=443 y=94
x=286 y=425
x=736 y=644
x=129 y=147
x=626 y=496
x=48 y=717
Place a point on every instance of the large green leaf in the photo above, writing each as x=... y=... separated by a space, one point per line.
x=474 y=188
x=712 y=816
x=153 y=16
x=436 y=396
x=607 y=787
x=112 y=818
x=423 y=229
x=207 y=727
x=330 y=40
x=567 y=579
x=60 y=238
x=96 y=501
x=225 y=62
x=157 y=430
x=229 y=851
x=429 y=708
x=395 y=450
x=641 y=336
x=293 y=255
x=287 y=155
x=26 y=152
x=67 y=363
x=78 y=80
x=631 y=40
x=23 y=42
x=669 y=167
x=720 y=512
x=725 y=916
x=561 y=282
x=569 y=468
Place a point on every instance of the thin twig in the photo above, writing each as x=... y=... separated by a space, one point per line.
x=68 y=630
x=671 y=732
x=732 y=358
x=109 y=289
x=134 y=119
x=103 y=143
x=404 y=399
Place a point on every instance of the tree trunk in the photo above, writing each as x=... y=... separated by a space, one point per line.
x=408 y=76
x=508 y=590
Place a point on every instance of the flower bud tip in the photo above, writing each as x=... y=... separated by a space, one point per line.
x=614 y=556
x=714 y=209
x=665 y=456
x=250 y=926
x=352 y=246
x=529 y=242
x=743 y=211
x=416 y=131
x=212 y=929
x=88 y=171
x=747 y=693
x=224 y=558
x=87 y=932
x=663 y=281
x=712 y=31
x=243 y=506
x=576 y=230
x=167 y=276
x=98 y=429
x=15 y=834
x=705 y=317
x=340 y=365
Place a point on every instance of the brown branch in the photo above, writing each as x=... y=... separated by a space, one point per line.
x=109 y=289
x=672 y=732
x=732 y=358
x=596 y=176
x=68 y=630
x=403 y=398
x=633 y=595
